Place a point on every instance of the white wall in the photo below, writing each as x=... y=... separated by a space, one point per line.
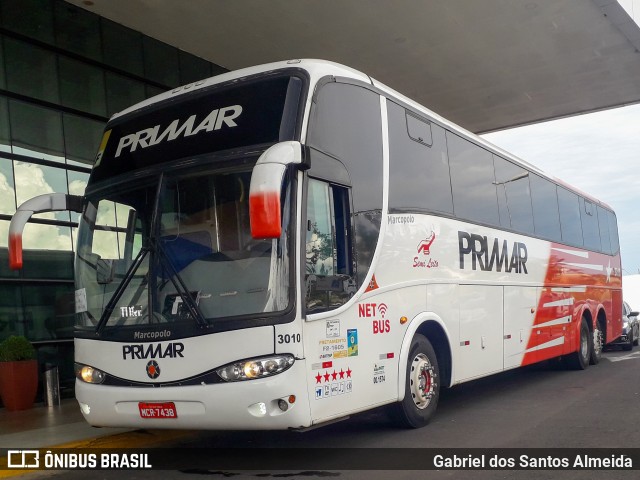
x=631 y=290
x=632 y=7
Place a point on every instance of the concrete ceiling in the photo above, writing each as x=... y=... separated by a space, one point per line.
x=485 y=65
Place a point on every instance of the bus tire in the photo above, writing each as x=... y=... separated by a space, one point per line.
x=596 y=345
x=580 y=360
x=422 y=386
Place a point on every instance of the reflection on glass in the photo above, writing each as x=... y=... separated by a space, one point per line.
x=81 y=86
x=472 y=181
x=36 y=131
x=5 y=134
x=201 y=250
x=603 y=224
x=319 y=242
x=50 y=311
x=46 y=237
x=30 y=70
x=544 y=199
x=7 y=187
x=160 y=62
x=3 y=83
x=74 y=23
x=81 y=139
x=122 y=92
x=193 y=68
x=37 y=24
x=328 y=273
x=48 y=263
x=105 y=244
x=514 y=195
x=11 y=314
x=570 y=222
x=4 y=235
x=122 y=47
x=77 y=185
x=33 y=180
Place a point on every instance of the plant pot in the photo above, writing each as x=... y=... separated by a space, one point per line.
x=18 y=384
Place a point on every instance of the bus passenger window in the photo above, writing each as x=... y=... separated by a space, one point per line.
x=329 y=264
x=570 y=223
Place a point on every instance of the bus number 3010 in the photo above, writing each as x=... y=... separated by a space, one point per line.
x=290 y=338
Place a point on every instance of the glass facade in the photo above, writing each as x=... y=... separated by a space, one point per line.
x=63 y=72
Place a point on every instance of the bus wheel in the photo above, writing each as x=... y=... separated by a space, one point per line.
x=422 y=388
x=596 y=346
x=580 y=360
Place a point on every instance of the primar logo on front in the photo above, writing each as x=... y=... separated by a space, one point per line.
x=152 y=350
x=496 y=258
x=152 y=136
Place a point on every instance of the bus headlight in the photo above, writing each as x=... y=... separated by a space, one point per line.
x=255 y=368
x=89 y=374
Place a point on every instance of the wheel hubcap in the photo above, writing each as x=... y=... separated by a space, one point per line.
x=422 y=381
x=597 y=341
x=584 y=345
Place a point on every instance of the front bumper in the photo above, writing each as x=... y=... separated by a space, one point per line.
x=247 y=405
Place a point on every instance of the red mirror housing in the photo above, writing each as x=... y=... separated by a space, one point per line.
x=266 y=187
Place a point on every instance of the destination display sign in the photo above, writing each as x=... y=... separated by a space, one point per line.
x=212 y=119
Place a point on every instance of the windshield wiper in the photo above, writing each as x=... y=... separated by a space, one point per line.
x=179 y=285
x=104 y=318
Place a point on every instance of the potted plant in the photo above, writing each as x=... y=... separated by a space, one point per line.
x=18 y=373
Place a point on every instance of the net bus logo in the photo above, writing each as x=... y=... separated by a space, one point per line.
x=150 y=137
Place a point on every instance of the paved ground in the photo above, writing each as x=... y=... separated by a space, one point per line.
x=536 y=407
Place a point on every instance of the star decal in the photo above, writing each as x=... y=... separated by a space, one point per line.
x=342 y=372
x=318 y=378
x=348 y=372
x=334 y=375
x=326 y=376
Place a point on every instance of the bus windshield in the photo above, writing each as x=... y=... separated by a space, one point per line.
x=178 y=248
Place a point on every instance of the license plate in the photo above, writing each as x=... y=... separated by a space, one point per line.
x=157 y=410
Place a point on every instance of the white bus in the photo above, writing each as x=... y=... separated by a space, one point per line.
x=286 y=245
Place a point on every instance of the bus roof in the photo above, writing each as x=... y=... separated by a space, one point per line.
x=317 y=69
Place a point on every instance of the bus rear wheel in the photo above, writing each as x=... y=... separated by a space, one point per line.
x=422 y=386
x=597 y=345
x=580 y=360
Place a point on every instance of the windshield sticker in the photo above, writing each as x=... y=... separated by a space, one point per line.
x=333 y=382
x=378 y=374
x=131 y=311
x=81 y=300
x=352 y=342
x=373 y=284
x=333 y=328
x=174 y=305
x=333 y=348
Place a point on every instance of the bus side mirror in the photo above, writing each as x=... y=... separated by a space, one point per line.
x=50 y=202
x=266 y=188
